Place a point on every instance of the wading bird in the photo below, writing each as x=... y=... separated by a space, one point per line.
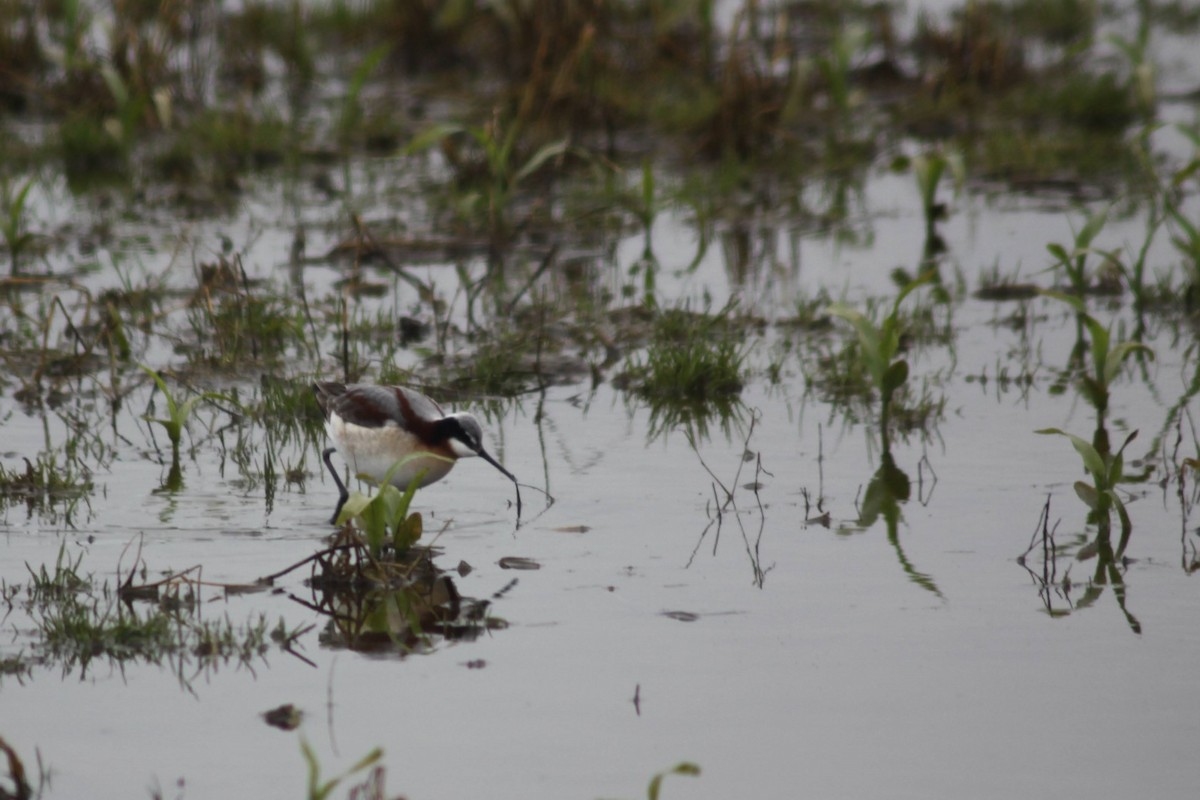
x=374 y=426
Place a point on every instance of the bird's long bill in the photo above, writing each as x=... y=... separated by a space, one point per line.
x=486 y=457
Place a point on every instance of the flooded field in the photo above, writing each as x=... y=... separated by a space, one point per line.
x=845 y=355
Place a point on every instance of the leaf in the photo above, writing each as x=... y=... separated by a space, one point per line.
x=682 y=768
x=1088 y=495
x=363 y=71
x=1116 y=469
x=1126 y=524
x=314 y=771
x=367 y=760
x=545 y=153
x=431 y=136
x=647 y=190
x=925 y=278
x=1059 y=252
x=1117 y=356
x=1095 y=223
x=1128 y=439
x=895 y=377
x=1100 y=339
x=408 y=532
x=353 y=507
x=868 y=337
x=1071 y=300
x=1091 y=459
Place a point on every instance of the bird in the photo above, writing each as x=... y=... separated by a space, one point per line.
x=374 y=426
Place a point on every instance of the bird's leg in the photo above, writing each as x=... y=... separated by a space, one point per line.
x=343 y=495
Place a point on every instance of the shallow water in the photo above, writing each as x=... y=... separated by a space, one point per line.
x=783 y=657
x=835 y=673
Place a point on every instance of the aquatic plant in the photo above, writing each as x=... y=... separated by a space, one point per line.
x=16 y=785
x=682 y=768
x=384 y=515
x=646 y=209
x=78 y=620
x=47 y=485
x=1100 y=496
x=350 y=120
x=1186 y=240
x=503 y=169
x=1074 y=263
x=928 y=168
x=321 y=790
x=879 y=347
x=835 y=68
x=1108 y=357
x=66 y=579
x=887 y=491
x=1143 y=75
x=13 y=224
x=692 y=371
x=176 y=420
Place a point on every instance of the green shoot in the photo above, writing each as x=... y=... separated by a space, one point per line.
x=928 y=168
x=387 y=511
x=318 y=790
x=177 y=413
x=1074 y=262
x=14 y=222
x=682 y=768
x=1107 y=357
x=351 y=113
x=504 y=175
x=880 y=347
x=1101 y=496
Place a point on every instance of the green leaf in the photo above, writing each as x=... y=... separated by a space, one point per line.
x=1116 y=469
x=408 y=532
x=535 y=161
x=895 y=377
x=647 y=189
x=682 y=768
x=1100 y=338
x=315 y=792
x=431 y=136
x=1091 y=228
x=868 y=338
x=366 y=761
x=1126 y=524
x=1088 y=495
x=909 y=289
x=1117 y=356
x=1070 y=299
x=1059 y=252
x=353 y=507
x=1089 y=550
x=359 y=78
x=1091 y=459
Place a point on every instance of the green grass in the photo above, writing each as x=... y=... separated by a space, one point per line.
x=692 y=371
x=879 y=348
x=78 y=620
x=46 y=485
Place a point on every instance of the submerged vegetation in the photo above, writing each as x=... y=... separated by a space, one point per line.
x=80 y=620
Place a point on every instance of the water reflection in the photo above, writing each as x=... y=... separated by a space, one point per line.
x=889 y=489
x=695 y=419
x=398 y=606
x=1055 y=585
x=402 y=620
x=724 y=501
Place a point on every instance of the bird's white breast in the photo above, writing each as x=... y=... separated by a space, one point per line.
x=371 y=452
